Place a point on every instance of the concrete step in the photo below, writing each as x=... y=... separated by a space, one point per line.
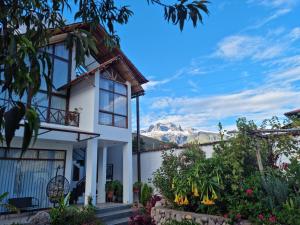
x=114 y=214
x=119 y=214
x=112 y=207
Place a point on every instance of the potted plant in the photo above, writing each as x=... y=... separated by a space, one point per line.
x=109 y=189
x=118 y=190
x=137 y=187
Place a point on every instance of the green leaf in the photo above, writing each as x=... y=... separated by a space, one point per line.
x=12 y=120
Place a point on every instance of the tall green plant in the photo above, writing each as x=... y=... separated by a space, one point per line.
x=146 y=193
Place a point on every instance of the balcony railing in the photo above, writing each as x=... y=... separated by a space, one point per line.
x=50 y=115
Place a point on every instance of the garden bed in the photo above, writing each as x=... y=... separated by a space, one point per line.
x=162 y=215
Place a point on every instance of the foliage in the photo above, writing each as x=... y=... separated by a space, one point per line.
x=25 y=30
x=141 y=217
x=231 y=183
x=137 y=185
x=163 y=177
x=9 y=207
x=71 y=215
x=184 y=222
x=146 y=193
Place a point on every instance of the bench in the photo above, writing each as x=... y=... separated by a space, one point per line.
x=23 y=202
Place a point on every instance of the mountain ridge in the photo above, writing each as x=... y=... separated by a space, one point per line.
x=170 y=132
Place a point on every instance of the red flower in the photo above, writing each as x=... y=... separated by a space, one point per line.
x=261 y=216
x=249 y=192
x=238 y=216
x=272 y=219
x=225 y=215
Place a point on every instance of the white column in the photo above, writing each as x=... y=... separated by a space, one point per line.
x=102 y=162
x=91 y=170
x=127 y=173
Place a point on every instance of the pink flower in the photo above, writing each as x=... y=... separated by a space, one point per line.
x=238 y=216
x=261 y=216
x=225 y=215
x=272 y=219
x=249 y=192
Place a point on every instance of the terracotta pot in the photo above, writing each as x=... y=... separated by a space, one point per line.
x=136 y=190
x=110 y=195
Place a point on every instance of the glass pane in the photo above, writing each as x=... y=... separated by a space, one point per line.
x=32 y=154
x=106 y=84
x=61 y=51
x=120 y=89
x=44 y=154
x=60 y=73
x=48 y=49
x=2 y=152
x=14 y=153
x=120 y=121
x=106 y=101
x=105 y=118
x=120 y=105
x=58 y=102
x=40 y=99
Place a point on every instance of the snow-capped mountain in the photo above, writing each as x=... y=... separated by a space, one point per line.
x=170 y=132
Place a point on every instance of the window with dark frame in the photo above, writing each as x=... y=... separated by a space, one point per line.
x=48 y=105
x=113 y=109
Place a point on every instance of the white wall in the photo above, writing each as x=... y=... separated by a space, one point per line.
x=115 y=157
x=151 y=161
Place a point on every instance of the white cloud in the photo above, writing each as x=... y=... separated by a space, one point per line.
x=274 y=3
x=204 y=112
x=238 y=47
x=274 y=16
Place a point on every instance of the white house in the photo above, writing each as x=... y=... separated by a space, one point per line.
x=86 y=122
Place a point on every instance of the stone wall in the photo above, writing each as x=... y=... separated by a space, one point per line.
x=161 y=215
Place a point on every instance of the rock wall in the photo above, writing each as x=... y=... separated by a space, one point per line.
x=161 y=215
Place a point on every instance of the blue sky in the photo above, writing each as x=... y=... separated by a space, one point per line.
x=243 y=61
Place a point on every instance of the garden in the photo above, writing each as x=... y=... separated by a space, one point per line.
x=252 y=177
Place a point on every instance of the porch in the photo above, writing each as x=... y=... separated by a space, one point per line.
x=96 y=162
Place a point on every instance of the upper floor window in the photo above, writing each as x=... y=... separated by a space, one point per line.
x=113 y=109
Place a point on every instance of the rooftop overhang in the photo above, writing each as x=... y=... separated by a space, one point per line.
x=106 y=57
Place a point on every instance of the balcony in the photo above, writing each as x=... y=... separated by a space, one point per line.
x=50 y=115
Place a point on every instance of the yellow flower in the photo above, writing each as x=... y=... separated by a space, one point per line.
x=196 y=194
x=176 y=198
x=207 y=201
x=186 y=201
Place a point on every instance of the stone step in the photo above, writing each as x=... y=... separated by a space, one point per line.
x=109 y=216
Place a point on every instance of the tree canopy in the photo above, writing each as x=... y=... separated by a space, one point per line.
x=26 y=27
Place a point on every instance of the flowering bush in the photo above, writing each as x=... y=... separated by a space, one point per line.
x=231 y=183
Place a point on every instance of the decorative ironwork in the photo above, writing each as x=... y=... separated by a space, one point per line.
x=51 y=115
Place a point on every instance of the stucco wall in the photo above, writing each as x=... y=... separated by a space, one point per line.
x=151 y=161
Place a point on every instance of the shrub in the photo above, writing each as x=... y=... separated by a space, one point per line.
x=146 y=194
x=141 y=217
x=71 y=215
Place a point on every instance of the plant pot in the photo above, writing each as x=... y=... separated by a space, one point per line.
x=110 y=196
x=136 y=190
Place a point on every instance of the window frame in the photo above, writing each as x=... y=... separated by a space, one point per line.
x=113 y=114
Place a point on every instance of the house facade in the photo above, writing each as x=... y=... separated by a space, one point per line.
x=85 y=126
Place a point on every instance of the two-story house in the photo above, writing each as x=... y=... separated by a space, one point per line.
x=85 y=125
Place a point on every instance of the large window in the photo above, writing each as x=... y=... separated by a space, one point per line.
x=51 y=108
x=113 y=103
